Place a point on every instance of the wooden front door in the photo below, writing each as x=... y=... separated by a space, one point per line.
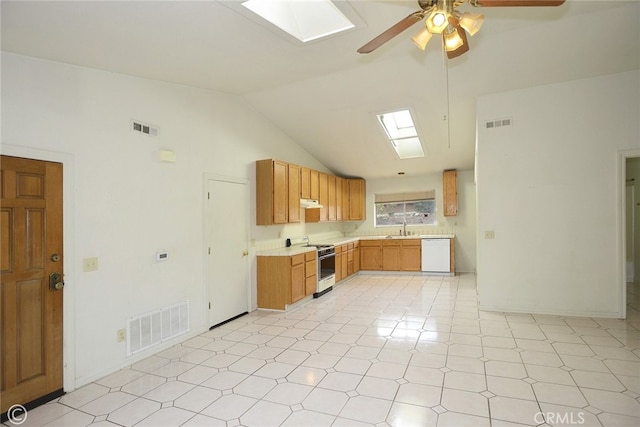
x=30 y=304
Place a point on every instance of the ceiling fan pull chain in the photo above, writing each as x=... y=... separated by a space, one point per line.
x=447 y=118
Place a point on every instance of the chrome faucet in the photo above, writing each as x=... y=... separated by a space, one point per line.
x=404 y=228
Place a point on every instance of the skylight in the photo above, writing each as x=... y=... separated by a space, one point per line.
x=402 y=133
x=305 y=20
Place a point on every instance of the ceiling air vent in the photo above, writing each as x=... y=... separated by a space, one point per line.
x=498 y=123
x=144 y=128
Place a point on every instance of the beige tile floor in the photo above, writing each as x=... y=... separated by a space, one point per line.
x=380 y=350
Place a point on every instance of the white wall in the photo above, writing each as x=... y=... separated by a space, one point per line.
x=548 y=186
x=463 y=225
x=121 y=204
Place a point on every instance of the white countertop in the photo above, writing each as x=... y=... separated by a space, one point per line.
x=295 y=250
x=413 y=236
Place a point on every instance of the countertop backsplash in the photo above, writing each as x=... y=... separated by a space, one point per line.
x=395 y=231
x=271 y=244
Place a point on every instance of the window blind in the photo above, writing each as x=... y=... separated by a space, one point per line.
x=405 y=197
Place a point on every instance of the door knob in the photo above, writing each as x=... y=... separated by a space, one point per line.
x=55 y=282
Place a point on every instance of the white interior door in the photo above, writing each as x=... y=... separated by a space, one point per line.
x=630 y=229
x=227 y=224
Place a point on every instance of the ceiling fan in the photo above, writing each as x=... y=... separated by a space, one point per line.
x=444 y=18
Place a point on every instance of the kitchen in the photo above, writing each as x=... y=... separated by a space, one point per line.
x=81 y=116
x=289 y=193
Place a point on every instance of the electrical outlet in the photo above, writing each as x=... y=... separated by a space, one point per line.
x=489 y=234
x=90 y=264
x=122 y=335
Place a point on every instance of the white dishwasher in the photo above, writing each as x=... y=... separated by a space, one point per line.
x=436 y=255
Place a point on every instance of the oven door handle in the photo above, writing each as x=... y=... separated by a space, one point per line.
x=320 y=258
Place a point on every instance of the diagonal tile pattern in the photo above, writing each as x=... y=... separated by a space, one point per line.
x=380 y=350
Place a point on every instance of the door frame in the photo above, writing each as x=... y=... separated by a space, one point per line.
x=68 y=239
x=621 y=192
x=205 y=265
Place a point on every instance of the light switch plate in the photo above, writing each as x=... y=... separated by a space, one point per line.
x=90 y=264
x=489 y=234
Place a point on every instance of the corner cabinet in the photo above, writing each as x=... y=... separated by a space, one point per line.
x=357 y=195
x=450 y=192
x=284 y=280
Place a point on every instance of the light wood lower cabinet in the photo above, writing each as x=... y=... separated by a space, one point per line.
x=340 y=272
x=347 y=260
x=283 y=280
x=391 y=255
x=371 y=255
x=311 y=273
x=356 y=257
x=411 y=255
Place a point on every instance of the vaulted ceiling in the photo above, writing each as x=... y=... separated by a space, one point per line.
x=323 y=94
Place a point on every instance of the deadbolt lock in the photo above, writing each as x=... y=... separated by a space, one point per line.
x=55 y=257
x=55 y=282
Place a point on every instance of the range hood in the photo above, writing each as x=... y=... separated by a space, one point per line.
x=310 y=204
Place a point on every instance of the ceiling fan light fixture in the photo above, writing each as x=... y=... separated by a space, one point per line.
x=437 y=21
x=472 y=22
x=452 y=40
x=422 y=38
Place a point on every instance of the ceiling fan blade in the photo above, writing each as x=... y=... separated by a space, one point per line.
x=392 y=32
x=516 y=3
x=464 y=48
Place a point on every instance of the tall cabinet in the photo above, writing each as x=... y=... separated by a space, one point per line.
x=450 y=192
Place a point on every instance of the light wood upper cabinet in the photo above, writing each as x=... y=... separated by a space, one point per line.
x=272 y=192
x=281 y=185
x=450 y=192
x=323 y=198
x=345 y=199
x=339 y=191
x=294 y=193
x=314 y=181
x=331 y=192
x=357 y=199
x=305 y=183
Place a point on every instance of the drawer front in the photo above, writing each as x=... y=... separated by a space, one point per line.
x=297 y=259
x=310 y=256
x=411 y=242
x=311 y=269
